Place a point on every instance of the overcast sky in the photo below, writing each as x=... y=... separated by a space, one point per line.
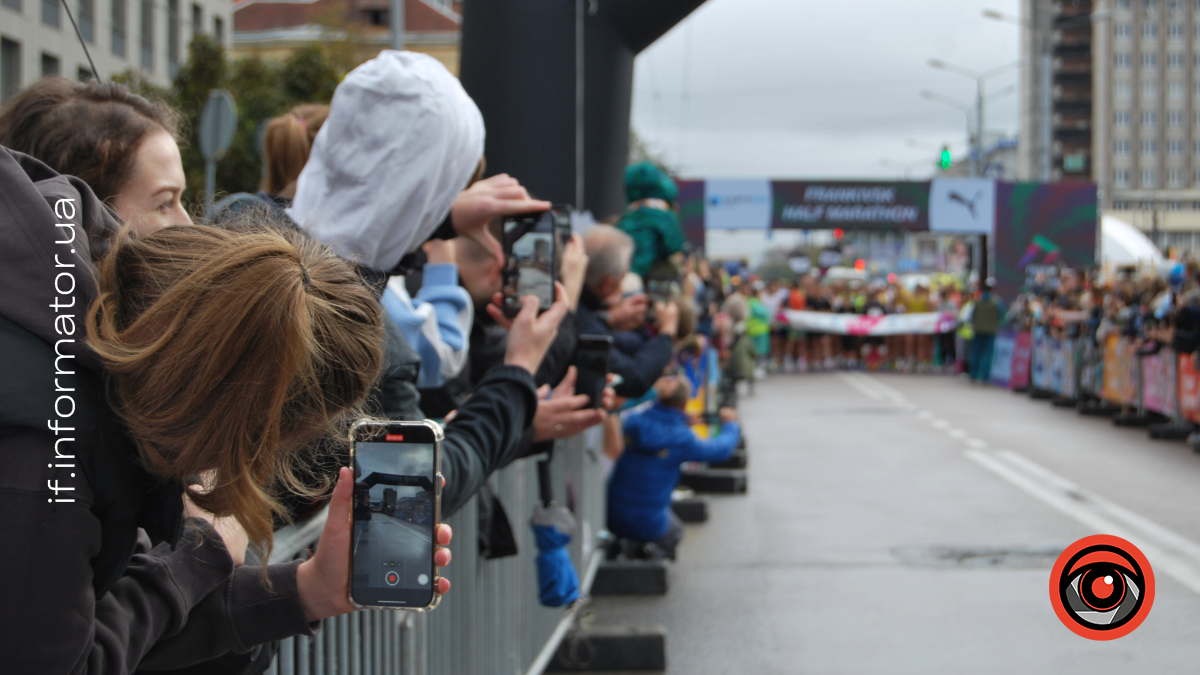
x=807 y=89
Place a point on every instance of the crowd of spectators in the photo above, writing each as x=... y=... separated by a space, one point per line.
x=216 y=359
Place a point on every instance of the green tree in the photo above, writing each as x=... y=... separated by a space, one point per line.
x=261 y=89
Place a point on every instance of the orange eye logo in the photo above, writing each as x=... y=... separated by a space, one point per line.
x=1102 y=587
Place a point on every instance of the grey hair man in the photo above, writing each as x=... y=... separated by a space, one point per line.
x=603 y=310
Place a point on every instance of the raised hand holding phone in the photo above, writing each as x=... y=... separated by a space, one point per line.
x=530 y=334
x=323 y=581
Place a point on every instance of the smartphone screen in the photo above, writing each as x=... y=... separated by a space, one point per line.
x=394 y=515
x=530 y=268
x=591 y=366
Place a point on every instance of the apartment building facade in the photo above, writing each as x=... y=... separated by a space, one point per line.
x=1146 y=145
x=37 y=38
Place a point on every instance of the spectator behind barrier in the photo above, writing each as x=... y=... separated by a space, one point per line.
x=601 y=311
x=650 y=218
x=657 y=442
x=122 y=145
x=263 y=306
x=564 y=414
x=376 y=192
x=287 y=143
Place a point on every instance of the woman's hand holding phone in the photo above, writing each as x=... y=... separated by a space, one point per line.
x=530 y=335
x=323 y=581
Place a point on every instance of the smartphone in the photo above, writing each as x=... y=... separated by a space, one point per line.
x=533 y=245
x=397 y=508
x=591 y=367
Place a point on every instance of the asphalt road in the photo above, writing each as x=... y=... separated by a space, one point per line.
x=907 y=524
x=392 y=544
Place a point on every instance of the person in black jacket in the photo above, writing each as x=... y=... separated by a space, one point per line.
x=602 y=310
x=81 y=476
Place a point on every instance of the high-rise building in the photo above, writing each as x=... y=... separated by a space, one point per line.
x=1146 y=117
x=37 y=38
x=1056 y=86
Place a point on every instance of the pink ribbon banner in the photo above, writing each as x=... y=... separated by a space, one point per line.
x=925 y=323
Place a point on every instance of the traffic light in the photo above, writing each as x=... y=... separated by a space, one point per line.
x=946 y=160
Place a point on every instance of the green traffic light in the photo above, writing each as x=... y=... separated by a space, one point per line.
x=946 y=159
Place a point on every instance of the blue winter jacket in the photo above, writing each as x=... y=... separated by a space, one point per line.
x=657 y=442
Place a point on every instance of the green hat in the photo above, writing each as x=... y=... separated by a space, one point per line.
x=645 y=180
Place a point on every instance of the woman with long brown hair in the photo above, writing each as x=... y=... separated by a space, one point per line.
x=122 y=145
x=187 y=352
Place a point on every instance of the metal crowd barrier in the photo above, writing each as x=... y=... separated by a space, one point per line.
x=490 y=621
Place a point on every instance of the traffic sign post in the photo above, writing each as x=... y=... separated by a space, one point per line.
x=218 y=121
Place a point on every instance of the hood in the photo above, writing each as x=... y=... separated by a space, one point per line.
x=402 y=140
x=52 y=228
x=645 y=180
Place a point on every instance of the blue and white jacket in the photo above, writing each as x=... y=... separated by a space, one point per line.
x=437 y=323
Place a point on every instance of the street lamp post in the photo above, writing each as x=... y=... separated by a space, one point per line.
x=977 y=159
x=966 y=110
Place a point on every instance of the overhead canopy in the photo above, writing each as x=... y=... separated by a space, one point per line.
x=1122 y=245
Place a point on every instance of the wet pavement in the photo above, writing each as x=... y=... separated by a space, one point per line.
x=907 y=524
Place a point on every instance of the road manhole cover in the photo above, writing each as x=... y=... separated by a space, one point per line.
x=997 y=557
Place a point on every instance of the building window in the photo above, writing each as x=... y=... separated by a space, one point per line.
x=1175 y=89
x=1175 y=61
x=1196 y=147
x=87 y=19
x=1174 y=5
x=1149 y=60
x=147 y=35
x=1175 y=178
x=1125 y=4
x=1149 y=148
x=1121 y=118
x=1149 y=119
x=1149 y=5
x=1175 y=148
x=172 y=37
x=1175 y=119
x=50 y=15
x=1121 y=89
x=10 y=68
x=1122 y=31
x=1121 y=148
x=1149 y=178
x=197 y=20
x=118 y=28
x=1121 y=177
x=219 y=30
x=1149 y=89
x=14 y=5
x=83 y=74
x=1176 y=31
x=1123 y=60
x=1149 y=31
x=50 y=65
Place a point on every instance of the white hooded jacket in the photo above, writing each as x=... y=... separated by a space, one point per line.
x=402 y=140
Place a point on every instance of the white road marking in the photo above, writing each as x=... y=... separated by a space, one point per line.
x=976 y=444
x=1168 y=552
x=940 y=424
x=861 y=386
x=957 y=434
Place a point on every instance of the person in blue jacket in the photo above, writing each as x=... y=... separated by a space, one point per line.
x=657 y=442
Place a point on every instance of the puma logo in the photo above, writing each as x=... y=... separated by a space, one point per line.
x=969 y=203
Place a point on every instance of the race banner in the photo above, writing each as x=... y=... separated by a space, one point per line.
x=1022 y=358
x=925 y=323
x=1002 y=357
x=1189 y=388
